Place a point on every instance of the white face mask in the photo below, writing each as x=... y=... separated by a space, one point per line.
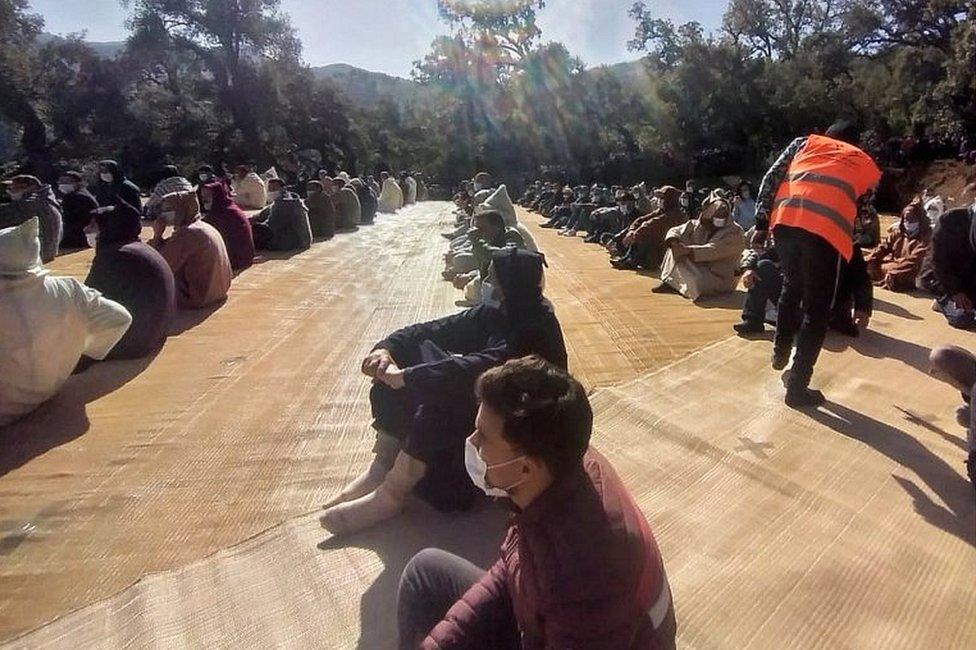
x=66 y=189
x=169 y=217
x=478 y=187
x=478 y=471
x=719 y=223
x=92 y=238
x=106 y=178
x=204 y=177
x=273 y=196
x=911 y=229
x=207 y=205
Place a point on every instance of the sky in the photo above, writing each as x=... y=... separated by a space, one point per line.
x=389 y=35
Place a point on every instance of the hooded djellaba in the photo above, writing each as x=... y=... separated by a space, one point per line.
x=134 y=275
x=895 y=264
x=434 y=412
x=112 y=183
x=231 y=222
x=321 y=210
x=195 y=252
x=368 y=202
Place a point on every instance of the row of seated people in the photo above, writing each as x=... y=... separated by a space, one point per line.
x=499 y=368
x=127 y=305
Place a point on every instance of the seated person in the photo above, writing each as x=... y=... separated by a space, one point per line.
x=703 y=254
x=283 y=225
x=170 y=181
x=250 y=191
x=957 y=367
x=488 y=235
x=349 y=212
x=561 y=213
x=579 y=566
x=391 y=196
x=77 y=204
x=48 y=323
x=112 y=186
x=607 y=222
x=691 y=199
x=29 y=199
x=134 y=275
x=642 y=244
x=231 y=222
x=744 y=206
x=368 y=203
x=867 y=226
x=763 y=281
x=195 y=252
x=423 y=394
x=321 y=210
x=894 y=265
x=949 y=267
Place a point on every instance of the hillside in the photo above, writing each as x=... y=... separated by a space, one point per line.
x=105 y=50
x=365 y=88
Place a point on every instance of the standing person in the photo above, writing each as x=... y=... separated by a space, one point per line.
x=77 y=204
x=579 y=566
x=810 y=199
x=31 y=198
x=47 y=322
x=231 y=222
x=112 y=184
x=134 y=275
x=195 y=252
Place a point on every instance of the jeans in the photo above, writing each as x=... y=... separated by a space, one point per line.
x=811 y=273
x=430 y=585
x=769 y=286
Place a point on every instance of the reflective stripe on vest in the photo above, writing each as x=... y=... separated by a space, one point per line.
x=812 y=177
x=809 y=205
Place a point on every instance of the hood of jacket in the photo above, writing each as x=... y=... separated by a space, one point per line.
x=115 y=169
x=186 y=206
x=220 y=194
x=520 y=275
x=20 y=250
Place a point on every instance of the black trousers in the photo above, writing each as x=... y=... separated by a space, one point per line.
x=768 y=287
x=430 y=585
x=811 y=274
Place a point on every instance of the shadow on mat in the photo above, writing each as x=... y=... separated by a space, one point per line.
x=958 y=516
x=732 y=300
x=475 y=535
x=894 y=310
x=62 y=418
x=187 y=319
x=263 y=257
x=881 y=346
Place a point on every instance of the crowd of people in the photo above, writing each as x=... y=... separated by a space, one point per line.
x=202 y=237
x=480 y=403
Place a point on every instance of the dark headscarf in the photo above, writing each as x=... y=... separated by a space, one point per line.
x=118 y=224
x=115 y=169
x=221 y=197
x=519 y=273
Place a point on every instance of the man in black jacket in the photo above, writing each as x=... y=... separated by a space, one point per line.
x=423 y=394
x=949 y=268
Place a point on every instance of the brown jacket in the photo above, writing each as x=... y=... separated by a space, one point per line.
x=649 y=230
x=896 y=262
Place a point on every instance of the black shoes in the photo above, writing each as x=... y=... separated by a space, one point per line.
x=845 y=327
x=781 y=359
x=749 y=327
x=798 y=398
x=622 y=263
x=664 y=287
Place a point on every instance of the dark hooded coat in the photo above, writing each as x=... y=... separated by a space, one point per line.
x=120 y=188
x=76 y=213
x=233 y=225
x=135 y=275
x=368 y=203
x=949 y=266
x=442 y=359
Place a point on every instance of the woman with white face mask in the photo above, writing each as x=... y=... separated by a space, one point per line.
x=77 y=204
x=895 y=264
x=112 y=185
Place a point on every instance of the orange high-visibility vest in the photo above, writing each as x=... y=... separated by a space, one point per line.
x=821 y=190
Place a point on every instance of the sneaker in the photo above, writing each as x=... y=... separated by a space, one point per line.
x=749 y=327
x=781 y=359
x=622 y=263
x=664 y=287
x=799 y=398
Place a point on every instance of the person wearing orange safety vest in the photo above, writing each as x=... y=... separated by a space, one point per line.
x=810 y=199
